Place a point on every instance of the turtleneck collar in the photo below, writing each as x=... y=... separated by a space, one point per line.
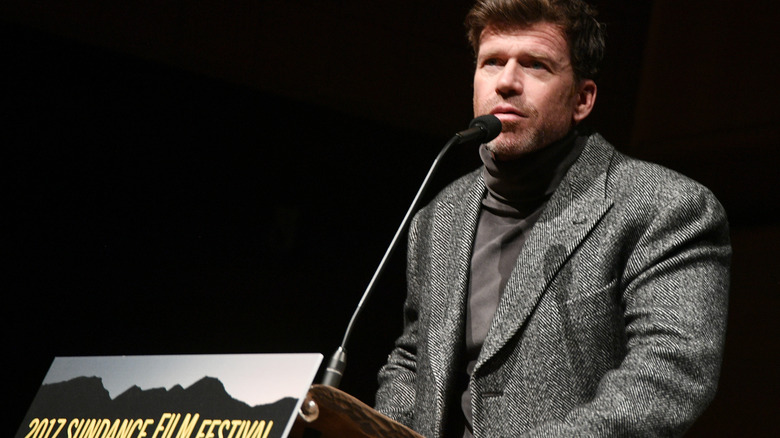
x=519 y=187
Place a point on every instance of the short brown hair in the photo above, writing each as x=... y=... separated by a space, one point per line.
x=584 y=33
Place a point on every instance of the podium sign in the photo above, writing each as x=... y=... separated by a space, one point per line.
x=181 y=396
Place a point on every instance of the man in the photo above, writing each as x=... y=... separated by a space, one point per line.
x=563 y=289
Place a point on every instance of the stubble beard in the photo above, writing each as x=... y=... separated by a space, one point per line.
x=515 y=141
x=519 y=138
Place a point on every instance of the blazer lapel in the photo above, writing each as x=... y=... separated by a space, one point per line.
x=455 y=224
x=574 y=209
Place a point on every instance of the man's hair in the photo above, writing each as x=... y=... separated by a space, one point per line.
x=583 y=31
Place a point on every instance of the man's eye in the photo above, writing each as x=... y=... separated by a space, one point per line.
x=537 y=65
x=491 y=62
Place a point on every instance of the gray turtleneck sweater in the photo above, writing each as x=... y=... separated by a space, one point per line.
x=517 y=192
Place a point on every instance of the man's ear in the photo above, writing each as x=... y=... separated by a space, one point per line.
x=584 y=100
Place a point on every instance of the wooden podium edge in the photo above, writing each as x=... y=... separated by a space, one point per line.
x=338 y=414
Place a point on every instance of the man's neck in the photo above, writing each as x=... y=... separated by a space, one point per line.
x=528 y=181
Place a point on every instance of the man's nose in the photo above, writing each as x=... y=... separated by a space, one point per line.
x=510 y=80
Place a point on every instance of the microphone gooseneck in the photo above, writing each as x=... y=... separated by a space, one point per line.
x=482 y=129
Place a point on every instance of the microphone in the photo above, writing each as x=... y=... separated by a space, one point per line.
x=482 y=129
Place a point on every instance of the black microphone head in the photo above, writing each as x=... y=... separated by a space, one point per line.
x=489 y=124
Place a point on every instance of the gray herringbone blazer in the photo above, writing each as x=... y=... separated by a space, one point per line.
x=612 y=323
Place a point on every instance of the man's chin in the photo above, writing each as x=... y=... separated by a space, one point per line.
x=505 y=147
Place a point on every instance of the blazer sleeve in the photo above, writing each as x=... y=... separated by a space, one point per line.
x=674 y=291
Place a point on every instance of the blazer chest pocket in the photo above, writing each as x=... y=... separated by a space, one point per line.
x=593 y=322
x=591 y=300
x=589 y=313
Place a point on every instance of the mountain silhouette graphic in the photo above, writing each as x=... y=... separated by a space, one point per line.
x=86 y=397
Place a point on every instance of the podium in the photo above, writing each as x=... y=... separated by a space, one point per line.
x=328 y=412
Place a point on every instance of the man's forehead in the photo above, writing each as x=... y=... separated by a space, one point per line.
x=544 y=33
x=507 y=29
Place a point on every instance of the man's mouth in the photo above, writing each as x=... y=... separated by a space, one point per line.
x=507 y=112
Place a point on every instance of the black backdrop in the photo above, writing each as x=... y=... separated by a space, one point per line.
x=151 y=211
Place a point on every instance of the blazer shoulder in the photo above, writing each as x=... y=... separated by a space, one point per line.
x=633 y=177
x=642 y=192
x=648 y=190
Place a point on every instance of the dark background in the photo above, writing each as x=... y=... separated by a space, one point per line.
x=193 y=177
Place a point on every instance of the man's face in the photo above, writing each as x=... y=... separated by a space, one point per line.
x=524 y=76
